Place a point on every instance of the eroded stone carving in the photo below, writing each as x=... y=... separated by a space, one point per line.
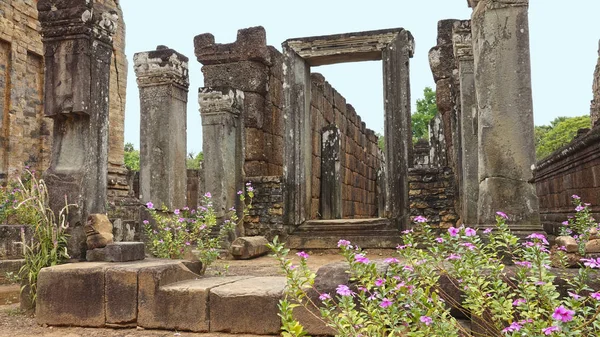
x=98 y=231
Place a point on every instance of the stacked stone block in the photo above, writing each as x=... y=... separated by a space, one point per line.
x=360 y=160
x=432 y=194
x=266 y=215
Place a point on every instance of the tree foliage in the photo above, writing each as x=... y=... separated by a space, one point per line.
x=132 y=157
x=194 y=161
x=426 y=110
x=560 y=132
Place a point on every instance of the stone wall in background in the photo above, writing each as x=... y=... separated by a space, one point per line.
x=432 y=195
x=574 y=169
x=359 y=160
x=266 y=215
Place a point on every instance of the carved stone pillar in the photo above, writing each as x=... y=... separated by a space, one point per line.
x=77 y=37
x=163 y=80
x=331 y=176
x=505 y=128
x=463 y=52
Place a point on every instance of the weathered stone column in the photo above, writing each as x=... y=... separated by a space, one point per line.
x=222 y=135
x=506 y=143
x=331 y=176
x=77 y=37
x=595 y=104
x=163 y=81
x=463 y=52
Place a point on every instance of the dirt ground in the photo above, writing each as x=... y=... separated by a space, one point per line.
x=14 y=323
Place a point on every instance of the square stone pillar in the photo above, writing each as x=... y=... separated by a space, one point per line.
x=222 y=144
x=77 y=38
x=500 y=31
x=463 y=52
x=163 y=81
x=331 y=176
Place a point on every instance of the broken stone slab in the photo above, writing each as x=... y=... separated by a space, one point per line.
x=249 y=247
x=568 y=242
x=118 y=252
x=247 y=306
x=592 y=246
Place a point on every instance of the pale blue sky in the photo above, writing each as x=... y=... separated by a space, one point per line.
x=564 y=44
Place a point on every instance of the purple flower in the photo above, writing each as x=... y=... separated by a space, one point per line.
x=420 y=219
x=563 y=314
x=240 y=192
x=563 y=248
x=525 y=264
x=487 y=231
x=426 y=319
x=250 y=189
x=181 y=220
x=469 y=245
x=160 y=241
x=408 y=231
x=519 y=301
x=470 y=232
x=574 y=295
x=208 y=195
x=248 y=184
x=575 y=196
x=379 y=282
x=324 y=297
x=502 y=215
x=565 y=223
x=453 y=257
x=187 y=243
x=549 y=330
x=150 y=205
x=592 y=263
x=302 y=255
x=343 y=243
x=391 y=260
x=176 y=212
x=512 y=327
x=409 y=268
x=540 y=237
x=146 y=222
x=360 y=258
x=439 y=240
x=385 y=303
x=343 y=290
x=453 y=231
x=595 y=296
x=579 y=208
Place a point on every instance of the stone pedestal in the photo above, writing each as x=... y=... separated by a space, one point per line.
x=222 y=134
x=163 y=80
x=506 y=144
x=463 y=52
x=77 y=38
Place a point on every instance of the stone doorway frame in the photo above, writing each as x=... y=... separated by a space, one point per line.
x=394 y=47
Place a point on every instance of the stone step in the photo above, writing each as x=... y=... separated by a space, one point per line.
x=349 y=225
x=388 y=239
x=9 y=266
x=9 y=294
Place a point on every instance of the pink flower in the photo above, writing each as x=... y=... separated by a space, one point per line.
x=487 y=231
x=514 y=326
x=240 y=192
x=525 y=264
x=343 y=243
x=150 y=205
x=409 y=268
x=563 y=314
x=385 y=303
x=540 y=237
x=565 y=223
x=470 y=232
x=420 y=219
x=469 y=245
x=426 y=319
x=575 y=196
x=146 y=222
x=208 y=195
x=439 y=240
x=595 y=296
x=502 y=215
x=187 y=243
x=579 y=208
x=453 y=257
x=408 y=231
x=592 y=263
x=324 y=297
x=549 y=330
x=379 y=282
x=391 y=260
x=574 y=295
x=343 y=290
x=519 y=301
x=360 y=258
x=302 y=255
x=176 y=212
x=453 y=231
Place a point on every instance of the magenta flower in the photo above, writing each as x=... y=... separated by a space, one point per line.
x=575 y=196
x=574 y=295
x=487 y=231
x=439 y=240
x=250 y=189
x=453 y=257
x=502 y=215
x=512 y=327
x=540 y=237
x=379 y=282
x=470 y=232
x=360 y=258
x=343 y=243
x=579 y=208
x=549 y=330
x=592 y=263
x=519 y=301
x=469 y=245
x=426 y=319
x=150 y=205
x=385 y=303
x=391 y=260
x=324 y=297
x=343 y=290
x=565 y=223
x=181 y=220
x=453 y=231
x=563 y=314
x=302 y=255
x=525 y=264
x=409 y=268
x=408 y=231
x=176 y=212
x=240 y=192
x=595 y=296
x=208 y=195
x=187 y=243
x=146 y=222
x=420 y=219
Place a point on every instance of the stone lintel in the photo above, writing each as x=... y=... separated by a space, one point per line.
x=161 y=66
x=462 y=40
x=250 y=45
x=347 y=47
x=73 y=18
x=219 y=100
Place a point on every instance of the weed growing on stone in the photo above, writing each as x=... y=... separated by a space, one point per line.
x=12 y=277
x=581 y=226
x=173 y=234
x=11 y=196
x=463 y=270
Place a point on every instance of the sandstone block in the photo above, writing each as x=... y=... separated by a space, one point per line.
x=245 y=248
x=568 y=242
x=592 y=246
x=98 y=231
x=247 y=306
x=121 y=294
x=245 y=75
x=118 y=252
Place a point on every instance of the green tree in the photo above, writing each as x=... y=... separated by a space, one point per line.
x=194 y=160
x=132 y=157
x=560 y=132
x=426 y=110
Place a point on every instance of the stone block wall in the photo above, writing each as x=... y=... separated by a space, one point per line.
x=574 y=169
x=432 y=195
x=266 y=215
x=360 y=159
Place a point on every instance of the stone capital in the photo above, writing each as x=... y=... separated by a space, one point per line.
x=494 y=4
x=462 y=40
x=67 y=19
x=219 y=100
x=161 y=66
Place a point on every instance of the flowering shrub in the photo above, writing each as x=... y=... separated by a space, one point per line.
x=12 y=196
x=173 y=234
x=408 y=299
x=581 y=226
